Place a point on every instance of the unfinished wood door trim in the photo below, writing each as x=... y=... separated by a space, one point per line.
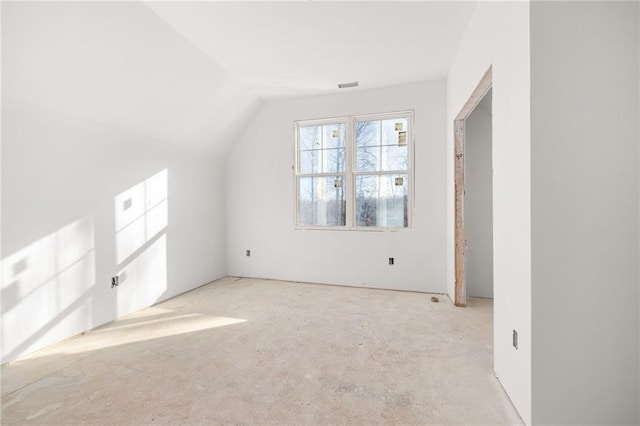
x=459 y=135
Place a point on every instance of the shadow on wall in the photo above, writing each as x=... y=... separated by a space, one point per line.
x=46 y=289
x=142 y=216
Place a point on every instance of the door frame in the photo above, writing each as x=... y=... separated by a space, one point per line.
x=485 y=84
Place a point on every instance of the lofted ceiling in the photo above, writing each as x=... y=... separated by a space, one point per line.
x=290 y=47
x=196 y=72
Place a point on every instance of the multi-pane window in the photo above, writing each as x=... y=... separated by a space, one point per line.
x=321 y=175
x=354 y=172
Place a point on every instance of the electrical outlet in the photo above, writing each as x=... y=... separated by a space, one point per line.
x=115 y=281
x=248 y=253
x=515 y=339
x=391 y=261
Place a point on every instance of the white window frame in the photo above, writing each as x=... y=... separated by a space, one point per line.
x=350 y=172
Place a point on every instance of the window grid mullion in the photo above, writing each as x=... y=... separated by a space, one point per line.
x=350 y=179
x=382 y=172
x=321 y=174
x=350 y=172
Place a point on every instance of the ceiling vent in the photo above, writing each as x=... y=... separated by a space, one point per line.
x=346 y=85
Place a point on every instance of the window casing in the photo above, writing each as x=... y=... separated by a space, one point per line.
x=355 y=172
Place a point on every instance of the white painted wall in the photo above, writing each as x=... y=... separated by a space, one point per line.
x=61 y=179
x=90 y=116
x=478 y=201
x=261 y=199
x=498 y=35
x=584 y=191
x=1 y=252
x=144 y=77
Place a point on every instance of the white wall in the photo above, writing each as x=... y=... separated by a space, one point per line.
x=261 y=199
x=478 y=201
x=144 y=77
x=61 y=179
x=498 y=36
x=93 y=118
x=584 y=156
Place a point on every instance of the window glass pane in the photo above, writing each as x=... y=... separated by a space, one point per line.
x=392 y=131
x=381 y=132
x=327 y=136
x=382 y=158
x=382 y=145
x=333 y=160
x=381 y=200
x=322 y=161
x=367 y=133
x=333 y=135
x=321 y=201
x=311 y=137
x=310 y=161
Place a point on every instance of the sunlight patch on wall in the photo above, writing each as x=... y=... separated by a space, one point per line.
x=141 y=213
x=144 y=279
x=45 y=289
x=141 y=220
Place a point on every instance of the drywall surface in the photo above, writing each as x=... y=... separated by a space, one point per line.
x=254 y=41
x=83 y=202
x=100 y=175
x=1 y=280
x=120 y=64
x=261 y=199
x=498 y=36
x=584 y=156
x=478 y=201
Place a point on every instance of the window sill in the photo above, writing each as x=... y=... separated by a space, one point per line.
x=345 y=229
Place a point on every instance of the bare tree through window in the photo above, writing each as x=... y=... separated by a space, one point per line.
x=381 y=167
x=378 y=175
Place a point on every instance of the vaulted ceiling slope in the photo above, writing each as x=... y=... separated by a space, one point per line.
x=195 y=72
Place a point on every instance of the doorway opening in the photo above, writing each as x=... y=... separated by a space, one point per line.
x=471 y=174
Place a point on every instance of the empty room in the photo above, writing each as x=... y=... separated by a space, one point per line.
x=320 y=212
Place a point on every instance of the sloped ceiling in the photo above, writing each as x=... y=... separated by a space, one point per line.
x=311 y=46
x=196 y=72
